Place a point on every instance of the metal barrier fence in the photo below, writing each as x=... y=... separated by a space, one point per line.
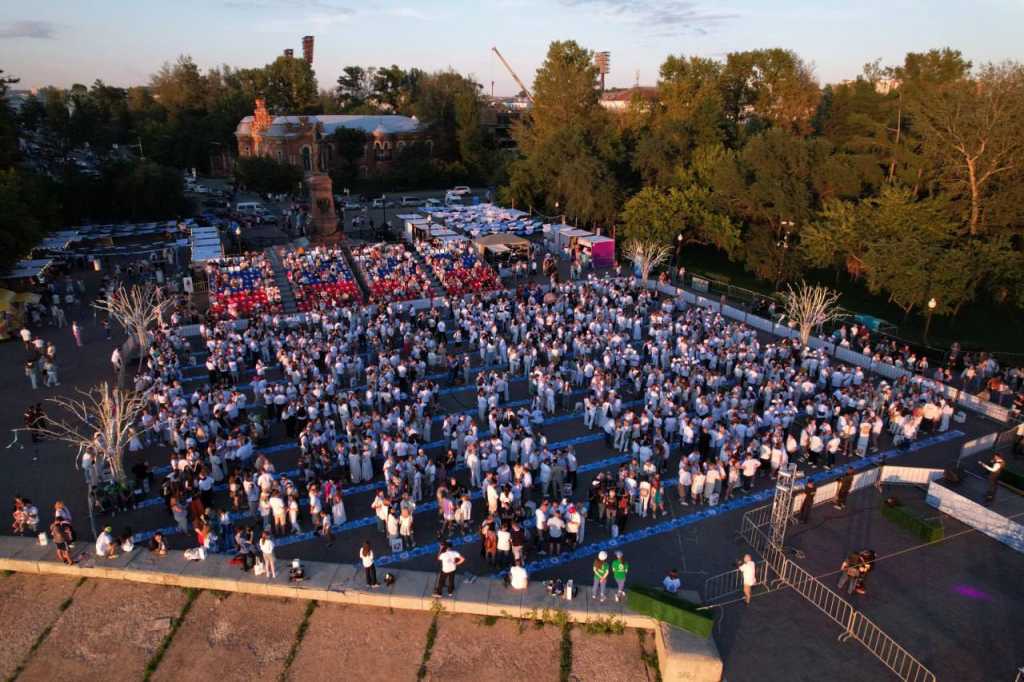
x=855 y=625
x=886 y=650
x=731 y=582
x=822 y=597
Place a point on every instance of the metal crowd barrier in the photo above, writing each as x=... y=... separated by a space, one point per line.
x=855 y=624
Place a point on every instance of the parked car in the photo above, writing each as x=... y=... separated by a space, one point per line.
x=461 y=190
x=432 y=203
x=411 y=201
x=351 y=206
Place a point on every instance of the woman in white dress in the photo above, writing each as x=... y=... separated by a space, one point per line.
x=338 y=515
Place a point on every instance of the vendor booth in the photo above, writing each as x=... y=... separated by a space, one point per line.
x=567 y=240
x=597 y=250
x=502 y=249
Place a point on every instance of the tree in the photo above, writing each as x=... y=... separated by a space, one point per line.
x=290 y=86
x=570 y=151
x=770 y=87
x=665 y=216
x=265 y=175
x=100 y=423
x=970 y=131
x=136 y=309
x=354 y=87
x=689 y=114
x=646 y=256
x=810 y=307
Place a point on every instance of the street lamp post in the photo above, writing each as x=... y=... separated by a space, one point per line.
x=783 y=245
x=384 y=212
x=932 y=304
x=238 y=239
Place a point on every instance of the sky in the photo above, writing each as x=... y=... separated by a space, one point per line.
x=122 y=42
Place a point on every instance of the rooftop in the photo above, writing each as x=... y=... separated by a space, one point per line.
x=387 y=125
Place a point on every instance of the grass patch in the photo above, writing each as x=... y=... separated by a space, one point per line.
x=604 y=625
x=565 y=653
x=64 y=606
x=300 y=634
x=928 y=530
x=649 y=657
x=670 y=609
x=489 y=621
x=428 y=647
x=154 y=662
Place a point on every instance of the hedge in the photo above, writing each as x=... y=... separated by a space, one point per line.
x=926 y=529
x=670 y=609
x=1012 y=478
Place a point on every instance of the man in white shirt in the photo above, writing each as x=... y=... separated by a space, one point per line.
x=450 y=560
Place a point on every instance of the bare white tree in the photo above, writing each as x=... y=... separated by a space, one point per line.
x=646 y=255
x=809 y=307
x=136 y=309
x=99 y=421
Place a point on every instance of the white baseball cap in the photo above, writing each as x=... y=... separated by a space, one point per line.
x=602 y=556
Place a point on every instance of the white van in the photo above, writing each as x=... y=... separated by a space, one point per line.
x=248 y=206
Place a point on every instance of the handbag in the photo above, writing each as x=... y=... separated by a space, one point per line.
x=259 y=568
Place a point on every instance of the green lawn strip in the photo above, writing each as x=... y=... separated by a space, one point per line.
x=300 y=634
x=428 y=646
x=158 y=655
x=928 y=530
x=565 y=655
x=670 y=609
x=64 y=605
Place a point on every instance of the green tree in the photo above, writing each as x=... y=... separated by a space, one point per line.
x=689 y=114
x=290 y=86
x=263 y=174
x=770 y=87
x=569 y=147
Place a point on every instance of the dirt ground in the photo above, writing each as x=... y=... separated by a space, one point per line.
x=232 y=637
x=28 y=604
x=611 y=658
x=349 y=642
x=109 y=632
x=467 y=649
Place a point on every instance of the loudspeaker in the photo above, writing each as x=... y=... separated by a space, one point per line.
x=953 y=474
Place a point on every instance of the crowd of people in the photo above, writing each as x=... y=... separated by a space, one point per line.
x=242 y=287
x=459 y=269
x=392 y=273
x=691 y=401
x=321 y=278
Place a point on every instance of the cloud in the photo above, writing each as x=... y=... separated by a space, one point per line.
x=405 y=13
x=44 y=30
x=658 y=18
x=323 y=7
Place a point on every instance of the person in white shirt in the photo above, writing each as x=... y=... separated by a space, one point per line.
x=450 y=560
x=518 y=578
x=267 y=548
x=105 y=545
x=748 y=569
x=671 y=583
x=366 y=556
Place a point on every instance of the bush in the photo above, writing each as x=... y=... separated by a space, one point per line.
x=670 y=609
x=926 y=529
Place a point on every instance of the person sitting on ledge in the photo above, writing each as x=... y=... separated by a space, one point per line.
x=671 y=583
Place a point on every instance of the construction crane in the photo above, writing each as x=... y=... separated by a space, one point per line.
x=514 y=76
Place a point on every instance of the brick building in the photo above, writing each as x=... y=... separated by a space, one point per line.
x=307 y=141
